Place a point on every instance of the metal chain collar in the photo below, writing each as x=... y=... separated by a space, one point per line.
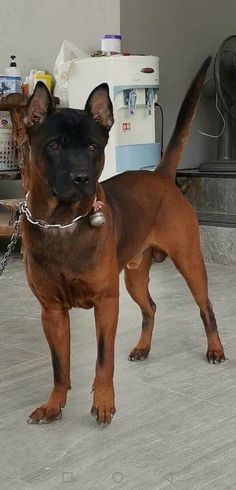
x=11 y=245
x=23 y=209
x=43 y=224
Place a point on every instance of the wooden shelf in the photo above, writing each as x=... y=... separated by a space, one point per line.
x=8 y=208
x=10 y=175
x=6 y=229
x=18 y=101
x=210 y=173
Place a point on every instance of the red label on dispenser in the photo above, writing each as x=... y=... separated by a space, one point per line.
x=147 y=70
x=126 y=126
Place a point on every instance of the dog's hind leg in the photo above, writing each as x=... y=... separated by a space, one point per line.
x=137 y=281
x=192 y=267
x=57 y=330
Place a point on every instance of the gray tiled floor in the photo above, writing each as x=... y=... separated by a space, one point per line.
x=175 y=426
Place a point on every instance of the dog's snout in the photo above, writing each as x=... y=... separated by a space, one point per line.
x=80 y=177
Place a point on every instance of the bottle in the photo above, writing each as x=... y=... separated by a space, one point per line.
x=42 y=76
x=13 y=78
x=12 y=70
x=111 y=43
x=25 y=87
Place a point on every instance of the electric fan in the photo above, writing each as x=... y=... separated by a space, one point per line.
x=225 y=87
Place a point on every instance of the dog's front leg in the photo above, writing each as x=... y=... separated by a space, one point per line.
x=57 y=330
x=106 y=317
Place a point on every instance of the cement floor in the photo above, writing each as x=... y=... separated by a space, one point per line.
x=175 y=426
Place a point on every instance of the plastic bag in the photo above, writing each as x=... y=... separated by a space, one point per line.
x=67 y=54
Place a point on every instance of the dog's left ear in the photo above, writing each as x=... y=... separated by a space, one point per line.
x=39 y=107
x=99 y=106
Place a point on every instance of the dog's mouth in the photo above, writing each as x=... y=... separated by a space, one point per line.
x=70 y=187
x=72 y=192
x=73 y=195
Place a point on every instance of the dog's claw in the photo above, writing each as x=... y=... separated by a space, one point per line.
x=93 y=413
x=41 y=416
x=59 y=416
x=103 y=419
x=214 y=357
x=138 y=354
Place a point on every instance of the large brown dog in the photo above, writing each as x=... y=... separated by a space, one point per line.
x=146 y=216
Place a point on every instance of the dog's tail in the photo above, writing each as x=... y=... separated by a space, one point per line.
x=174 y=150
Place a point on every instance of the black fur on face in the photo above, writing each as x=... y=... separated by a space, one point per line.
x=68 y=144
x=71 y=145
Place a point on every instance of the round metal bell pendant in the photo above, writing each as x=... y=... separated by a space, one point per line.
x=97 y=219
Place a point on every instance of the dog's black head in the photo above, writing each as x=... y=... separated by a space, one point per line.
x=67 y=145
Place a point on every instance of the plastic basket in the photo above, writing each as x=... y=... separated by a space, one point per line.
x=8 y=160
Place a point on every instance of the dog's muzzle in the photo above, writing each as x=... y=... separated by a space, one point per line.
x=74 y=186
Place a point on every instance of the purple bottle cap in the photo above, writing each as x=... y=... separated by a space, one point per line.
x=111 y=36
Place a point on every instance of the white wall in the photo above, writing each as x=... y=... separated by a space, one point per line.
x=34 y=30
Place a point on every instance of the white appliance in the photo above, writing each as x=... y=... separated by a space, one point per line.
x=133 y=85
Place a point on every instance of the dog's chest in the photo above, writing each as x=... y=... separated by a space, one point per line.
x=57 y=249
x=72 y=272
x=69 y=283
x=73 y=291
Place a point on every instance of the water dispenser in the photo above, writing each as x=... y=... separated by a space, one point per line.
x=133 y=85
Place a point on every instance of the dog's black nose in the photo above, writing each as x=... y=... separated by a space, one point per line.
x=80 y=178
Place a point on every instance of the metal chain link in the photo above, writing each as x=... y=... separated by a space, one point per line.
x=11 y=245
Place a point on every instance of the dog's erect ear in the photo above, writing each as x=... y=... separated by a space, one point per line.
x=99 y=106
x=39 y=107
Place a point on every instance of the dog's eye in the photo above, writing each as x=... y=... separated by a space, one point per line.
x=92 y=147
x=54 y=145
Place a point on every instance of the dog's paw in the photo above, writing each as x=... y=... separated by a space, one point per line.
x=103 y=409
x=138 y=354
x=45 y=415
x=215 y=356
x=215 y=350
